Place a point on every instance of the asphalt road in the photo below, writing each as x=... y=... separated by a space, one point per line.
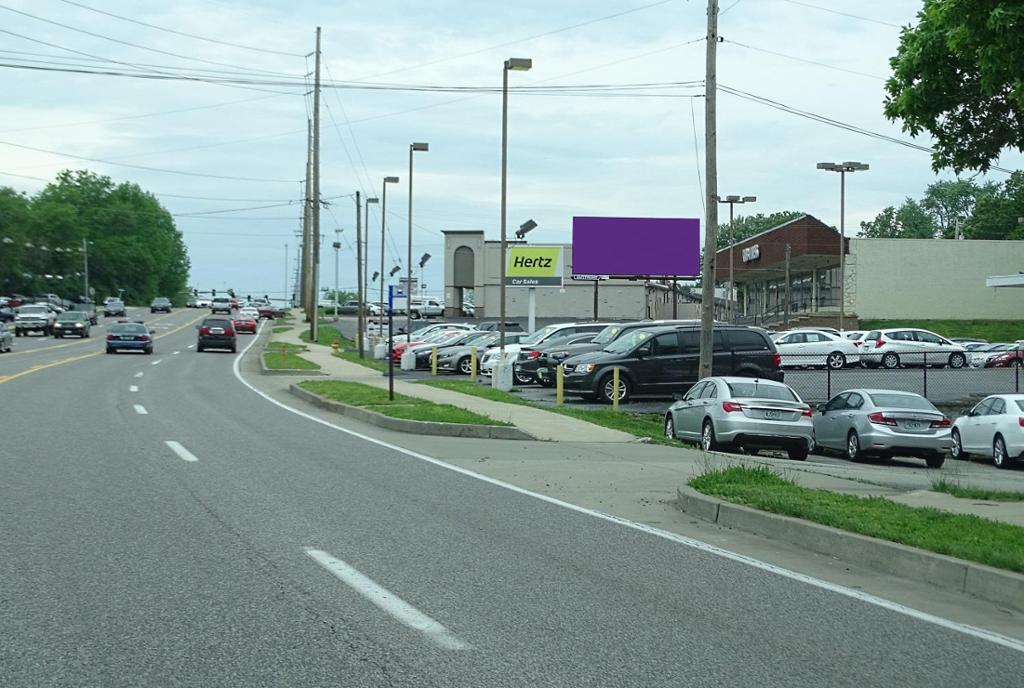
x=183 y=530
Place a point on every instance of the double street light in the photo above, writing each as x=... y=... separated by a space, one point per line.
x=732 y=201
x=842 y=168
x=383 y=225
x=413 y=148
x=361 y=271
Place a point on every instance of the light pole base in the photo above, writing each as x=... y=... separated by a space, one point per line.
x=501 y=376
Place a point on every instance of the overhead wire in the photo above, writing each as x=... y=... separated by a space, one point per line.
x=844 y=14
x=804 y=60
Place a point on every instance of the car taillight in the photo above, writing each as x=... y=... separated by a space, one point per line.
x=1020 y=421
x=807 y=412
x=732 y=406
x=879 y=342
x=143 y=337
x=204 y=330
x=856 y=343
x=881 y=419
x=777 y=359
x=944 y=423
x=110 y=337
x=533 y=354
x=229 y=332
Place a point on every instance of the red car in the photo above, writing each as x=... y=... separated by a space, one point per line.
x=244 y=324
x=1005 y=359
x=268 y=312
x=400 y=347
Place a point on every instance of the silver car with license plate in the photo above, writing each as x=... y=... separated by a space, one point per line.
x=884 y=423
x=726 y=412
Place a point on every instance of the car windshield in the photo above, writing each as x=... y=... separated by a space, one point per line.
x=628 y=342
x=115 y=303
x=540 y=335
x=33 y=309
x=756 y=389
x=901 y=401
x=72 y=316
x=218 y=322
x=607 y=334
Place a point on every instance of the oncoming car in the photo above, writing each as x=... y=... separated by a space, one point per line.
x=125 y=336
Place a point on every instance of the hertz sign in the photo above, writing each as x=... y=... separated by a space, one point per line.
x=534 y=266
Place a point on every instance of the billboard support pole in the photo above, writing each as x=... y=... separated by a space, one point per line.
x=675 y=298
x=532 y=311
x=596 y=283
x=707 y=315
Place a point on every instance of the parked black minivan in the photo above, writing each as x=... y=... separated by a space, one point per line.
x=665 y=360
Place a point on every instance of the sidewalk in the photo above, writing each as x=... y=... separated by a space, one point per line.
x=541 y=424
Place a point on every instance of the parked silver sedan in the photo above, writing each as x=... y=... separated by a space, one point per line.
x=863 y=422
x=725 y=412
x=6 y=338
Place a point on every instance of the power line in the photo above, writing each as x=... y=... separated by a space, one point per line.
x=844 y=14
x=135 y=45
x=183 y=33
x=805 y=61
x=233 y=210
x=696 y=155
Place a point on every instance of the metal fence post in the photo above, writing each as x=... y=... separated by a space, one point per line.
x=828 y=380
x=925 y=394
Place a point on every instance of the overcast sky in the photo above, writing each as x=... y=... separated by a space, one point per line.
x=630 y=153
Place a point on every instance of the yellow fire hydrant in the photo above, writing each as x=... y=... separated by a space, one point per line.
x=336 y=345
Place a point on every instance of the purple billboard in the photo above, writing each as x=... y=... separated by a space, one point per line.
x=636 y=246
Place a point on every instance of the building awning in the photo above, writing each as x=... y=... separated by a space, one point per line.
x=1005 y=280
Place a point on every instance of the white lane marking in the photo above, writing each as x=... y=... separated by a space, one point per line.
x=180 y=450
x=392 y=604
x=983 y=634
x=157 y=361
x=176 y=353
x=141 y=410
x=133 y=388
x=139 y=374
x=190 y=346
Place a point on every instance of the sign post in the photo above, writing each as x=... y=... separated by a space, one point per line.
x=392 y=293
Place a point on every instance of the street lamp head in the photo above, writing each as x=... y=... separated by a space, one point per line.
x=372 y=200
x=733 y=199
x=424 y=259
x=749 y=199
x=375 y=276
x=855 y=166
x=525 y=228
x=394 y=270
x=336 y=245
x=420 y=147
x=390 y=180
x=518 y=64
x=830 y=166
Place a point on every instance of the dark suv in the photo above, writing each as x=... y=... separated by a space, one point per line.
x=665 y=360
x=216 y=333
x=160 y=303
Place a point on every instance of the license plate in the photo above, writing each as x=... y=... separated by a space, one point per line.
x=913 y=425
x=216 y=330
x=127 y=339
x=773 y=414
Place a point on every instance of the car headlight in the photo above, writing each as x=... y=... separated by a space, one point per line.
x=57 y=325
x=79 y=324
x=587 y=367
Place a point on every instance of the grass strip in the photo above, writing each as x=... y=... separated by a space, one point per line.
x=649 y=425
x=289 y=361
x=289 y=347
x=990 y=330
x=955 y=489
x=409 y=408
x=957 y=535
x=327 y=334
x=282 y=328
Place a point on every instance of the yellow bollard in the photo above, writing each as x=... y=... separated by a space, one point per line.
x=472 y=364
x=433 y=360
x=615 y=394
x=559 y=385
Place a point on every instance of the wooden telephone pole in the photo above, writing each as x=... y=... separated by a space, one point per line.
x=707 y=314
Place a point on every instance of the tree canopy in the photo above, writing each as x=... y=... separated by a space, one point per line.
x=746 y=226
x=133 y=243
x=959 y=75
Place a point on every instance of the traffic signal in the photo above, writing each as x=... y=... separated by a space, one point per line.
x=231 y=293
x=213 y=292
x=195 y=292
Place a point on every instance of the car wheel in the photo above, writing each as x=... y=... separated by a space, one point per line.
x=934 y=459
x=608 y=392
x=199 y=349
x=797 y=453
x=836 y=360
x=957 y=451
x=149 y=352
x=670 y=427
x=853 y=450
x=465 y=366
x=547 y=382
x=707 y=437
x=999 y=452
x=234 y=349
x=890 y=361
x=109 y=350
x=957 y=361
x=415 y=315
x=523 y=378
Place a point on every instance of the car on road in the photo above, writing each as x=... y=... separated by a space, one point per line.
x=664 y=360
x=160 y=303
x=216 y=333
x=34 y=317
x=245 y=323
x=203 y=302
x=249 y=312
x=6 y=338
x=883 y=423
x=114 y=308
x=129 y=336
x=191 y=302
x=817 y=348
x=221 y=304
x=723 y=413
x=994 y=429
x=892 y=348
x=72 y=323
x=87 y=307
x=426 y=308
x=7 y=314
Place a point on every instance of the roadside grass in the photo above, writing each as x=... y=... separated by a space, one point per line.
x=409 y=408
x=991 y=330
x=644 y=425
x=282 y=328
x=954 y=488
x=957 y=535
x=327 y=335
x=289 y=361
x=287 y=346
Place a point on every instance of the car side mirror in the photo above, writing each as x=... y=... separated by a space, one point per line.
x=197 y=327
x=152 y=331
x=822 y=407
x=970 y=412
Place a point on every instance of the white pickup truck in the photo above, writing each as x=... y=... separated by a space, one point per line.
x=421 y=308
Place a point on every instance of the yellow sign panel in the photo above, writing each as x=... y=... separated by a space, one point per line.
x=534 y=266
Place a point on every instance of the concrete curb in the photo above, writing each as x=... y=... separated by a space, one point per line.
x=419 y=427
x=264 y=370
x=995 y=585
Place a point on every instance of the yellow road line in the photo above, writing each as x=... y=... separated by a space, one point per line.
x=44 y=366
x=74 y=343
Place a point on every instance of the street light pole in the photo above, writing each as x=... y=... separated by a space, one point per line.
x=337 y=250
x=364 y=264
x=383 y=226
x=520 y=65
x=408 y=253
x=842 y=168
x=732 y=201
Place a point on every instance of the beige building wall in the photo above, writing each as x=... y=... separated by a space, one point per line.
x=916 y=279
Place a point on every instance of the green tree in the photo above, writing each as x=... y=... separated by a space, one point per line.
x=14 y=234
x=951 y=202
x=909 y=221
x=999 y=215
x=959 y=75
x=746 y=226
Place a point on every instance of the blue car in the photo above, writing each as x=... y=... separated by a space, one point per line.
x=129 y=336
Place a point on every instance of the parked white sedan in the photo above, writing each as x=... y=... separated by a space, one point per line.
x=907 y=346
x=994 y=428
x=817 y=349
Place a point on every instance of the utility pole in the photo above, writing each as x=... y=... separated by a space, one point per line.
x=675 y=299
x=306 y=272
x=360 y=318
x=85 y=252
x=786 y=293
x=707 y=314
x=314 y=326
x=285 y=297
